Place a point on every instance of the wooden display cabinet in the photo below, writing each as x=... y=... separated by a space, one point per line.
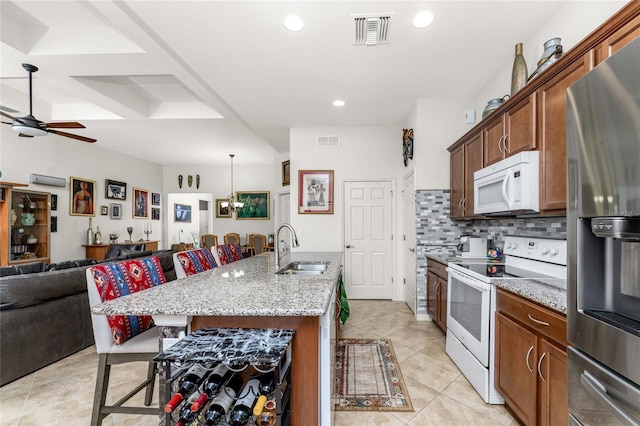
x=27 y=215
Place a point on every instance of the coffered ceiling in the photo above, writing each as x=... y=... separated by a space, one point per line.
x=189 y=82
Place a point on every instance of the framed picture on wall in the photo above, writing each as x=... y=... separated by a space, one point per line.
x=255 y=205
x=315 y=192
x=82 y=200
x=155 y=199
x=182 y=213
x=140 y=203
x=155 y=213
x=115 y=211
x=222 y=211
x=115 y=190
x=286 y=173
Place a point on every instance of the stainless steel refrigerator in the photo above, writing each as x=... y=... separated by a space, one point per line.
x=603 y=238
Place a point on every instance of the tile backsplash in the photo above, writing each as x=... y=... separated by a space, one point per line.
x=437 y=234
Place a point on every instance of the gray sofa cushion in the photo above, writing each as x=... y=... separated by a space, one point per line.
x=24 y=268
x=25 y=290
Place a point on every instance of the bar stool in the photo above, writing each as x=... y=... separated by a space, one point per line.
x=228 y=253
x=122 y=339
x=194 y=261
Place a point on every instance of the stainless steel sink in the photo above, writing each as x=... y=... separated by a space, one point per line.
x=303 y=268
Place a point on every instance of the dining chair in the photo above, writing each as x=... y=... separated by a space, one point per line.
x=232 y=238
x=191 y=262
x=258 y=243
x=209 y=240
x=228 y=253
x=122 y=339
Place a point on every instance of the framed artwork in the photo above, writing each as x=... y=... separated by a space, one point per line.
x=182 y=213
x=407 y=145
x=115 y=211
x=220 y=210
x=104 y=210
x=155 y=213
x=155 y=199
x=54 y=202
x=54 y=223
x=140 y=203
x=315 y=191
x=115 y=190
x=256 y=205
x=82 y=200
x=286 y=173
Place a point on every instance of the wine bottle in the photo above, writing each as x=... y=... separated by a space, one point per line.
x=267 y=386
x=186 y=416
x=221 y=404
x=188 y=384
x=90 y=234
x=212 y=385
x=242 y=410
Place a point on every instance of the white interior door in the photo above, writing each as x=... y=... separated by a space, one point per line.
x=409 y=241
x=368 y=239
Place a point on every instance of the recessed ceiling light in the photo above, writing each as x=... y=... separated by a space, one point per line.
x=293 y=23
x=423 y=19
x=338 y=103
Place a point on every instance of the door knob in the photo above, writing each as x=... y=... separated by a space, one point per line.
x=412 y=250
x=348 y=245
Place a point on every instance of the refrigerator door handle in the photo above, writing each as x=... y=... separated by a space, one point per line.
x=599 y=391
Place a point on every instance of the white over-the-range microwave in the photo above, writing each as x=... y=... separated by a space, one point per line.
x=508 y=187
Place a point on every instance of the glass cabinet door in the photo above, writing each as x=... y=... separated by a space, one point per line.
x=29 y=226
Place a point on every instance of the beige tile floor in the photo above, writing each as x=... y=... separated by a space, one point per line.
x=62 y=393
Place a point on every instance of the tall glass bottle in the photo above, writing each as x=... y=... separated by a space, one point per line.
x=519 y=73
x=90 y=233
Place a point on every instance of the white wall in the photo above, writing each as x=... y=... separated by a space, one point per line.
x=61 y=157
x=215 y=182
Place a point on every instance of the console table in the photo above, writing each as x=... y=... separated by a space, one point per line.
x=99 y=251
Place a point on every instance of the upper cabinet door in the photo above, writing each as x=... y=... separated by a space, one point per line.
x=552 y=131
x=493 y=136
x=618 y=39
x=520 y=126
x=457 y=179
x=472 y=163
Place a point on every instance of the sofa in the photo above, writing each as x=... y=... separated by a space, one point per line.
x=44 y=312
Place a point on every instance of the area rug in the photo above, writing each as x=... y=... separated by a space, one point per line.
x=368 y=377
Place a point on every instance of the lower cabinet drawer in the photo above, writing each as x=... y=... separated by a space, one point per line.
x=543 y=320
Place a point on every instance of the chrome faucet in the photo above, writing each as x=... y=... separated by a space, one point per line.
x=294 y=241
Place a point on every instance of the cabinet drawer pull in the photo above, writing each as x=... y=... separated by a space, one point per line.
x=504 y=143
x=527 y=359
x=500 y=144
x=546 y=324
x=540 y=362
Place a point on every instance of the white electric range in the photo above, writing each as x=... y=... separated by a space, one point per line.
x=471 y=303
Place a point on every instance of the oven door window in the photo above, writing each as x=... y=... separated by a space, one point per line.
x=468 y=313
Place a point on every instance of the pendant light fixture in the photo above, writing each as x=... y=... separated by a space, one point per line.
x=231 y=202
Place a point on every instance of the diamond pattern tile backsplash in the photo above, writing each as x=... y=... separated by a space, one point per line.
x=437 y=234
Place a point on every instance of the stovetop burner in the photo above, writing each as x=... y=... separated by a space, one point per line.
x=499 y=270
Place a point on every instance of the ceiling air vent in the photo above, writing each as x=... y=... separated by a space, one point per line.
x=328 y=140
x=372 y=30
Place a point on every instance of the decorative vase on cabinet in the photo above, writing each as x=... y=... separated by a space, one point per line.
x=519 y=73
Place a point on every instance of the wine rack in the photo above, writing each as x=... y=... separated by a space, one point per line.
x=247 y=350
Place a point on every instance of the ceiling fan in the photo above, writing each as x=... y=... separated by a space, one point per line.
x=29 y=126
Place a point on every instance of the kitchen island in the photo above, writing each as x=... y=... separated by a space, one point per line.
x=249 y=294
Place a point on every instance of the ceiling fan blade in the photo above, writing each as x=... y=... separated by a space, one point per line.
x=22 y=135
x=5 y=122
x=7 y=115
x=65 y=125
x=72 y=136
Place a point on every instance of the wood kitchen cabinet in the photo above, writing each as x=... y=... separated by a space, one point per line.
x=531 y=360
x=552 y=130
x=511 y=132
x=437 y=285
x=465 y=160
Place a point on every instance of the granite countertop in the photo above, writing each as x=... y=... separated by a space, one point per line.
x=442 y=258
x=549 y=292
x=249 y=287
